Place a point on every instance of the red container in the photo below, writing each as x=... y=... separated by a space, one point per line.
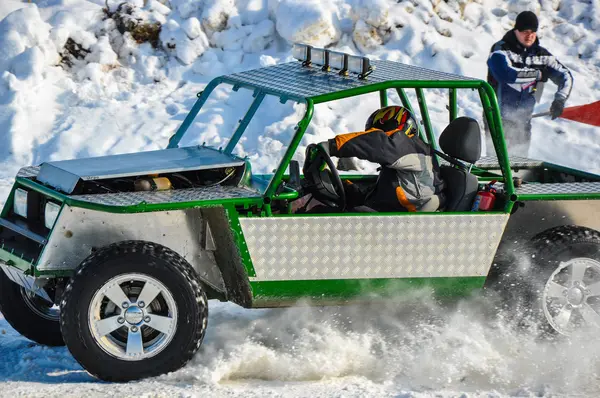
x=486 y=200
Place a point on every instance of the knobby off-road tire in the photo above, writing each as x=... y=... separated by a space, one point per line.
x=31 y=316
x=535 y=281
x=566 y=283
x=113 y=333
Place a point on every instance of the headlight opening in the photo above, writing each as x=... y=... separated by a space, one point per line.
x=51 y=211
x=20 y=202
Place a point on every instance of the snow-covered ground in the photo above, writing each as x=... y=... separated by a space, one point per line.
x=110 y=94
x=413 y=348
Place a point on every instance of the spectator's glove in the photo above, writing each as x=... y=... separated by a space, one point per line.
x=556 y=109
x=543 y=76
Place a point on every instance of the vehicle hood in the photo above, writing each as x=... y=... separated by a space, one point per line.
x=65 y=174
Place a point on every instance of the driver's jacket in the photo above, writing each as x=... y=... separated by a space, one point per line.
x=408 y=180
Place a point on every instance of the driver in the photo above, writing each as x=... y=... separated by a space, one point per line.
x=409 y=179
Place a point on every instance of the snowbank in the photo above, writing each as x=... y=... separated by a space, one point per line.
x=131 y=70
x=9 y=6
x=307 y=21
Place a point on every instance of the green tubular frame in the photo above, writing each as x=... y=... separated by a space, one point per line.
x=487 y=95
x=490 y=103
x=404 y=99
x=452 y=106
x=337 y=288
x=485 y=91
x=406 y=103
x=202 y=97
x=259 y=95
x=425 y=116
x=383 y=99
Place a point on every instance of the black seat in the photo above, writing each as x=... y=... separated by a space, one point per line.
x=461 y=141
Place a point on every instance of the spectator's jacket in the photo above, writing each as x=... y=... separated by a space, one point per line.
x=514 y=72
x=408 y=180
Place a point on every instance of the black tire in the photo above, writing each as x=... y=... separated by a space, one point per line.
x=23 y=314
x=520 y=278
x=151 y=260
x=509 y=277
x=552 y=248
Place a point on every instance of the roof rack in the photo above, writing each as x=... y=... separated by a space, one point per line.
x=329 y=59
x=309 y=79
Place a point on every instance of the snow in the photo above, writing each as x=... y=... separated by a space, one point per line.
x=307 y=21
x=9 y=6
x=409 y=348
x=119 y=96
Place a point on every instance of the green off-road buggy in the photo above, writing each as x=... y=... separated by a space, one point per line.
x=116 y=256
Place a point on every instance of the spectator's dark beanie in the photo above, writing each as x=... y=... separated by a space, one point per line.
x=526 y=20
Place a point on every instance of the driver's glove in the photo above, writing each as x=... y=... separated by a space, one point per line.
x=556 y=109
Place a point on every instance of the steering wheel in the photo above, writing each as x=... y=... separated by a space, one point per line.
x=322 y=178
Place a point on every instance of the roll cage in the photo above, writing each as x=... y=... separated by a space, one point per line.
x=311 y=85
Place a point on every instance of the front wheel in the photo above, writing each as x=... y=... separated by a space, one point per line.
x=133 y=310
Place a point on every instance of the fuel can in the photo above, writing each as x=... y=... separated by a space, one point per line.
x=485 y=200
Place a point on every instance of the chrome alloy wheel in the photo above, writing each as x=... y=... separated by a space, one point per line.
x=133 y=317
x=571 y=297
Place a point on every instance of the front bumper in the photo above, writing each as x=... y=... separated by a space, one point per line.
x=10 y=259
x=29 y=283
x=21 y=246
x=23 y=238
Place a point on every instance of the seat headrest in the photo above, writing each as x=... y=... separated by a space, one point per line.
x=461 y=139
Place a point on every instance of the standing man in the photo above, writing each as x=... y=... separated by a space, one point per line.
x=516 y=66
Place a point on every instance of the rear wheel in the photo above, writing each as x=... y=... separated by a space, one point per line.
x=567 y=294
x=554 y=285
x=133 y=310
x=29 y=314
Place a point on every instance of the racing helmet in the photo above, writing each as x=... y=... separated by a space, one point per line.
x=393 y=118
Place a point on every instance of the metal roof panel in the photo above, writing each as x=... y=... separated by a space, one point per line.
x=293 y=80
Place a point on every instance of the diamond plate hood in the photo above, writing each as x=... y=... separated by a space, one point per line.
x=65 y=174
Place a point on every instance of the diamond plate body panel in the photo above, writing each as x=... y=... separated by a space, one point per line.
x=28 y=172
x=173 y=196
x=347 y=247
x=293 y=80
x=78 y=232
x=559 y=188
x=491 y=162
